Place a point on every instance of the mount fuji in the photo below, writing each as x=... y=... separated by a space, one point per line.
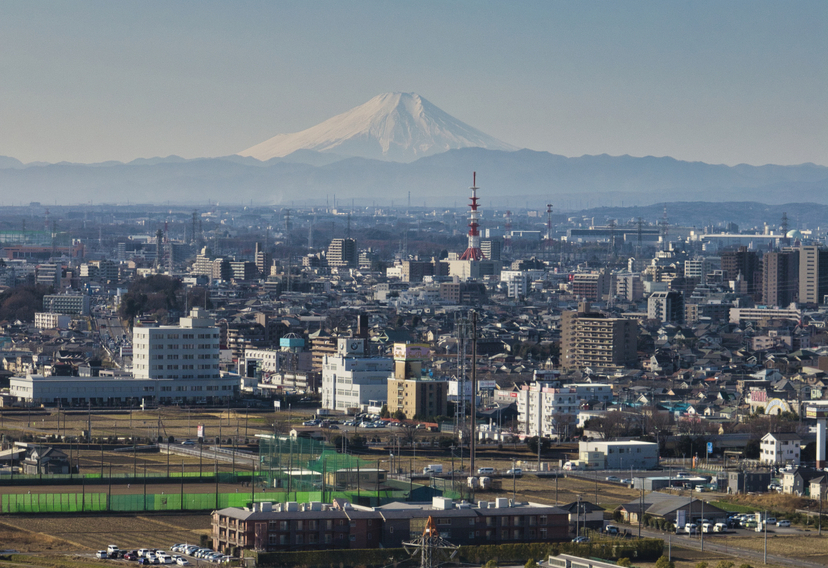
x=398 y=127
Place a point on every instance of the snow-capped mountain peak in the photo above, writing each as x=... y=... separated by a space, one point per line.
x=401 y=127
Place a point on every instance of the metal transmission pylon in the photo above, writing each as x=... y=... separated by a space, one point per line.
x=429 y=543
x=462 y=329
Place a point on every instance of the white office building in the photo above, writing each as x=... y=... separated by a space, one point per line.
x=189 y=350
x=171 y=365
x=519 y=282
x=352 y=380
x=618 y=455
x=544 y=409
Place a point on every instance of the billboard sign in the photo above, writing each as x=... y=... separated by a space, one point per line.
x=411 y=351
x=816 y=412
x=201 y=430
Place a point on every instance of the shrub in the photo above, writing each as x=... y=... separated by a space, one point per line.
x=531 y=564
x=490 y=564
x=664 y=562
x=745 y=565
x=625 y=562
x=701 y=564
x=724 y=564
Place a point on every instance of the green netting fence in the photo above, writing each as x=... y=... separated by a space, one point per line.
x=65 y=478
x=304 y=464
x=97 y=502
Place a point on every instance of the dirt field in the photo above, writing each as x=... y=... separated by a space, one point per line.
x=811 y=548
x=32 y=533
x=687 y=558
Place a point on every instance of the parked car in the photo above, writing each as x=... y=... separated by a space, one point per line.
x=626 y=481
x=707 y=527
x=112 y=548
x=182 y=562
x=751 y=524
x=770 y=521
x=720 y=527
x=613 y=478
x=690 y=528
x=580 y=539
x=130 y=556
x=783 y=523
x=101 y=554
x=516 y=472
x=188 y=443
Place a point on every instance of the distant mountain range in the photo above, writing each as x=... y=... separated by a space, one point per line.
x=515 y=178
x=398 y=143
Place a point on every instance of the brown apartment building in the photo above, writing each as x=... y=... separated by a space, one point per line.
x=590 y=339
x=340 y=525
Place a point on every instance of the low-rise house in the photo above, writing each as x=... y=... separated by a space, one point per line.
x=796 y=481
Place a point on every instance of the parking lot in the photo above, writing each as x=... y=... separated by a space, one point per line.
x=179 y=554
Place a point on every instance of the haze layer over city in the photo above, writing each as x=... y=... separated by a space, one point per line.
x=414 y=284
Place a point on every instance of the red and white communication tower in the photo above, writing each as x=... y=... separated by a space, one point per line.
x=473 y=252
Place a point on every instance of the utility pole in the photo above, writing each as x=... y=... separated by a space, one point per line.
x=765 y=555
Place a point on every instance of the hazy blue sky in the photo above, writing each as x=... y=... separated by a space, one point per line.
x=722 y=81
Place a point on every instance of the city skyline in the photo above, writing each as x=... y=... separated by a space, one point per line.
x=721 y=83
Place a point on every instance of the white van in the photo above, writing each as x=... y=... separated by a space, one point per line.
x=720 y=527
x=485 y=470
x=707 y=527
x=111 y=548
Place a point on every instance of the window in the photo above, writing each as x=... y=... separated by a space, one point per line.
x=471 y=522
x=299 y=539
x=283 y=525
x=352 y=537
x=471 y=534
x=300 y=525
x=504 y=535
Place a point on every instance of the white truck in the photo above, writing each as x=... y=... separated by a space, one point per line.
x=433 y=469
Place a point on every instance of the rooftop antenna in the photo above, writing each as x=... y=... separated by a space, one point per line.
x=664 y=229
x=507 y=237
x=548 y=241
x=639 y=223
x=612 y=240
x=348 y=232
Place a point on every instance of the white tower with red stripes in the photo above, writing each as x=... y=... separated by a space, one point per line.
x=473 y=252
